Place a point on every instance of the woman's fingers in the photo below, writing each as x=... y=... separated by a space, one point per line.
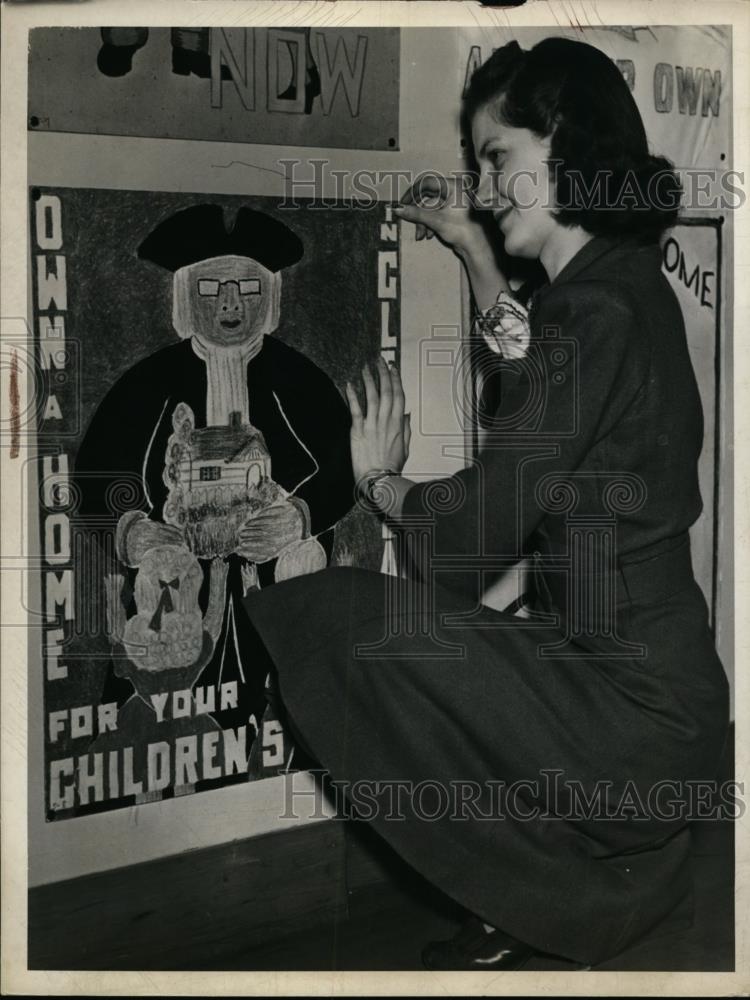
x=371 y=392
x=430 y=187
x=386 y=392
x=413 y=213
x=355 y=409
x=379 y=436
x=399 y=401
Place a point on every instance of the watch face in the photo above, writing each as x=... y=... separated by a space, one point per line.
x=370 y=491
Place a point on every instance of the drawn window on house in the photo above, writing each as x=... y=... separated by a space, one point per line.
x=210 y=472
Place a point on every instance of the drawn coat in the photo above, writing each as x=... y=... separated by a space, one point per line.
x=305 y=424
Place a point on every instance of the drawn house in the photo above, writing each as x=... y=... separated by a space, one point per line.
x=234 y=456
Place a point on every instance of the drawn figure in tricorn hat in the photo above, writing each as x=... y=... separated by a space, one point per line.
x=234 y=444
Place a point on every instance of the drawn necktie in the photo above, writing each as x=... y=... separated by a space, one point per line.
x=165 y=605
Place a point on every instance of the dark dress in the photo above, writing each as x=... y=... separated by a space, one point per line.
x=568 y=724
x=120 y=465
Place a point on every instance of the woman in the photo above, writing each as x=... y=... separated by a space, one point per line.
x=569 y=735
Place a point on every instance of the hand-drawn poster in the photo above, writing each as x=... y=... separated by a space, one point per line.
x=692 y=259
x=199 y=451
x=332 y=88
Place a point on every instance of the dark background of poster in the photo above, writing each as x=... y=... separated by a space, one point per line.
x=120 y=307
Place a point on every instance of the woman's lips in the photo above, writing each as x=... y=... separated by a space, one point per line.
x=230 y=324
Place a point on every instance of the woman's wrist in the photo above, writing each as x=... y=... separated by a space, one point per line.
x=382 y=491
x=485 y=277
x=474 y=249
x=368 y=483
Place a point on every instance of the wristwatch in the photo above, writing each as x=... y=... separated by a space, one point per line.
x=367 y=489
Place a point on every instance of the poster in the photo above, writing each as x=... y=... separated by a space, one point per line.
x=424 y=109
x=679 y=75
x=277 y=86
x=692 y=258
x=153 y=460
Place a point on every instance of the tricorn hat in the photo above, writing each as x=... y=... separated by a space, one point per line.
x=201 y=232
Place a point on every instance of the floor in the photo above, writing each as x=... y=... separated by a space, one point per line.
x=387 y=924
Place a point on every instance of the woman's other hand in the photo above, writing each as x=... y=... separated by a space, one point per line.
x=380 y=437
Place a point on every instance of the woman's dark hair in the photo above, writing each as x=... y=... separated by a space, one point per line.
x=605 y=178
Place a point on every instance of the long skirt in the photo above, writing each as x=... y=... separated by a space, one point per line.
x=545 y=785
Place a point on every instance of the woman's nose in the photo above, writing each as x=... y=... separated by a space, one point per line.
x=491 y=190
x=488 y=194
x=484 y=189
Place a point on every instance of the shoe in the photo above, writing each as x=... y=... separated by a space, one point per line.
x=474 y=949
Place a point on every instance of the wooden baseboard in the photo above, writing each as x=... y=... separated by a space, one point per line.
x=198 y=906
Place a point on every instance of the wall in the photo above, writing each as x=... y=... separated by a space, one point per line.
x=430 y=296
x=431 y=312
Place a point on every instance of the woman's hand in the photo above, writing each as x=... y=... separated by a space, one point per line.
x=444 y=206
x=380 y=438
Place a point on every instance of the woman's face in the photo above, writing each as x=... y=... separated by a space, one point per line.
x=515 y=183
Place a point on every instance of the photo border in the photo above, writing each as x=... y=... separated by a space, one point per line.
x=15 y=751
